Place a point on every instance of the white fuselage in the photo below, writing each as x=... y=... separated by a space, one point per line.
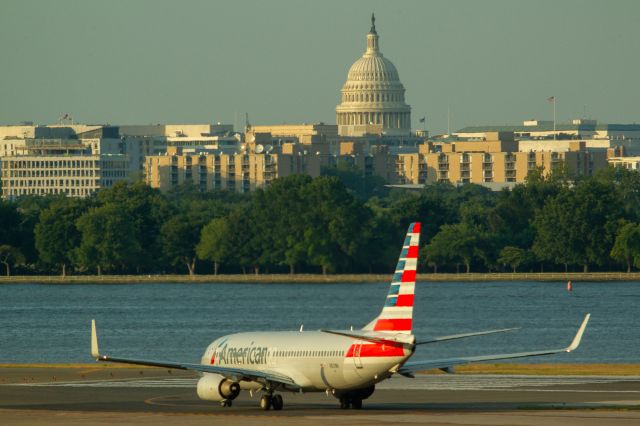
x=315 y=360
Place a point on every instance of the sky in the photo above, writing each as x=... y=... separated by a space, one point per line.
x=284 y=61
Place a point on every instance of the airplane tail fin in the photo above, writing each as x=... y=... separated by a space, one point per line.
x=397 y=313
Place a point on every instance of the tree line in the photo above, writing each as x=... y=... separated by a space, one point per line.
x=343 y=223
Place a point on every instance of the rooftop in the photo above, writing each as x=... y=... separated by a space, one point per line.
x=548 y=127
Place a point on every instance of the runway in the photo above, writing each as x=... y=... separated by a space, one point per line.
x=440 y=382
x=143 y=396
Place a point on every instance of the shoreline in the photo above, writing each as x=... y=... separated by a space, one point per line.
x=319 y=278
x=489 y=369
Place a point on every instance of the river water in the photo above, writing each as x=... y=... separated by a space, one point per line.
x=51 y=323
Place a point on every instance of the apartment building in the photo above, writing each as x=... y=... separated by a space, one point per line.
x=216 y=169
x=495 y=159
x=631 y=163
x=255 y=165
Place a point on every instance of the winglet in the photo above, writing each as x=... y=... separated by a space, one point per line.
x=576 y=340
x=94 y=341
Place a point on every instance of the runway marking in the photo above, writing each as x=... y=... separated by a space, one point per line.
x=154 y=401
x=439 y=382
x=495 y=382
x=132 y=383
x=91 y=370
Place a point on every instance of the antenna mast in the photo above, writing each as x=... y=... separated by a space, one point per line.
x=247 y=125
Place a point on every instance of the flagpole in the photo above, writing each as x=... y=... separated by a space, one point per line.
x=554 y=118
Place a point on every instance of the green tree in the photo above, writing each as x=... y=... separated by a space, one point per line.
x=334 y=224
x=56 y=235
x=180 y=235
x=30 y=208
x=480 y=216
x=379 y=244
x=214 y=243
x=241 y=238
x=513 y=256
x=147 y=210
x=626 y=247
x=10 y=256
x=358 y=183
x=108 y=241
x=437 y=254
x=626 y=183
x=578 y=225
x=280 y=212
x=9 y=222
x=436 y=205
x=454 y=243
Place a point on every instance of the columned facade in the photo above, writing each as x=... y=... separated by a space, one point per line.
x=373 y=97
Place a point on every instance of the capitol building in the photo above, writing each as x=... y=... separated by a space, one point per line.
x=373 y=96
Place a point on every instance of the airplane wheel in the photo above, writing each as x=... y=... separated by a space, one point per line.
x=265 y=402
x=226 y=403
x=344 y=403
x=276 y=402
x=356 y=403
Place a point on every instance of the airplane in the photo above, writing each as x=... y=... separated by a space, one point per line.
x=346 y=364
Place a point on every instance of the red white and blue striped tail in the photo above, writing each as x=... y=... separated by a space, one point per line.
x=397 y=313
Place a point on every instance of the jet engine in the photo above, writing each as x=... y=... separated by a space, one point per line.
x=214 y=387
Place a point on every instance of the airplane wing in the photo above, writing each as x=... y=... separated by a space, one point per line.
x=235 y=374
x=462 y=336
x=409 y=368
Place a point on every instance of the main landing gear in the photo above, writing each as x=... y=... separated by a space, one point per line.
x=269 y=401
x=353 y=398
x=355 y=403
x=226 y=403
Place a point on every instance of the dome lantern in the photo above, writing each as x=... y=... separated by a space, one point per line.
x=372 y=37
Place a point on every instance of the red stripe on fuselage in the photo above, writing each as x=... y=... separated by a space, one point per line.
x=416 y=228
x=393 y=324
x=376 y=350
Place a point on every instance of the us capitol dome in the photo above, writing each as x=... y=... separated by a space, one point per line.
x=373 y=96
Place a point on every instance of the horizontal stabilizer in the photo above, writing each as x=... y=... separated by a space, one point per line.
x=463 y=335
x=376 y=337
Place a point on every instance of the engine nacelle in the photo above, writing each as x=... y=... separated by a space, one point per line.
x=214 y=387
